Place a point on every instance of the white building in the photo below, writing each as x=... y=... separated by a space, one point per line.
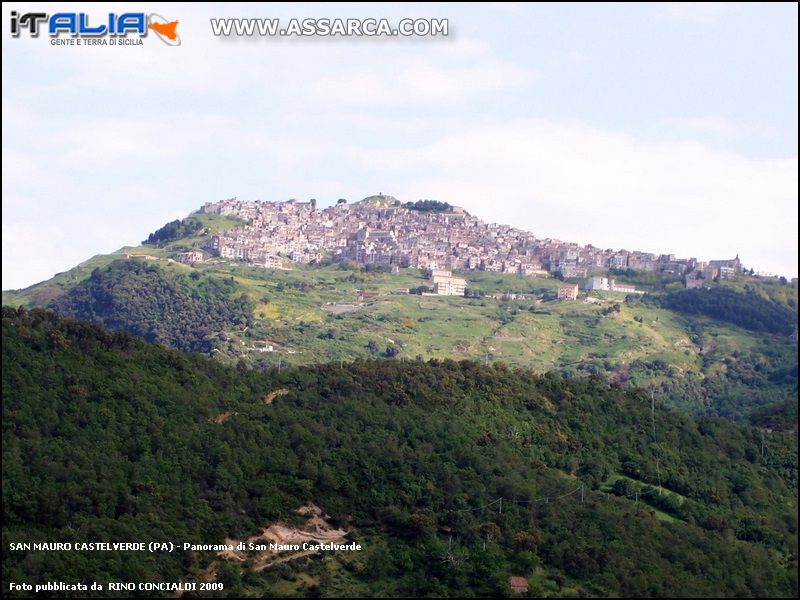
x=609 y=285
x=599 y=283
x=190 y=257
x=449 y=286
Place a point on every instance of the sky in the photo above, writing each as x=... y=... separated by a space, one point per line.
x=668 y=128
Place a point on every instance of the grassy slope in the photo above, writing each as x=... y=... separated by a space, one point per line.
x=41 y=293
x=293 y=314
x=544 y=335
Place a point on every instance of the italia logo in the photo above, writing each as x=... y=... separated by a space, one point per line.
x=166 y=30
x=79 y=25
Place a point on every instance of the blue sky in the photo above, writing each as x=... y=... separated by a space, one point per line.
x=658 y=127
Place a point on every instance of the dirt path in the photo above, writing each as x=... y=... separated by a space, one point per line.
x=272 y=395
x=221 y=417
x=257 y=568
x=317 y=530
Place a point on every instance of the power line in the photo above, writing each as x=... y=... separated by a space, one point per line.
x=545 y=499
x=479 y=507
x=635 y=495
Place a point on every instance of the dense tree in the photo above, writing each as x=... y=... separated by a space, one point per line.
x=106 y=437
x=748 y=310
x=158 y=305
x=174 y=230
x=428 y=206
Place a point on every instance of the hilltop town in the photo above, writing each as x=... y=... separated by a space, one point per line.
x=427 y=235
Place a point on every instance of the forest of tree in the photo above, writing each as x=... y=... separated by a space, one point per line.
x=174 y=230
x=748 y=310
x=184 y=311
x=428 y=206
x=781 y=416
x=108 y=438
x=751 y=381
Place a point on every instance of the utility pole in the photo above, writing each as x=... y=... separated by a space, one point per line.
x=653 y=420
x=501 y=505
x=581 y=493
x=653 y=411
x=658 y=474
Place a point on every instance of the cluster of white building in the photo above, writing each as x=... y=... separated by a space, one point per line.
x=380 y=230
x=606 y=284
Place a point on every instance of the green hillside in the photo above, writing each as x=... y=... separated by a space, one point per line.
x=41 y=293
x=452 y=476
x=724 y=352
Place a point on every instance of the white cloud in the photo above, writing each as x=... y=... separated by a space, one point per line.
x=589 y=185
x=19 y=169
x=411 y=82
x=698 y=12
x=555 y=178
x=710 y=124
x=148 y=137
x=715 y=127
x=104 y=145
